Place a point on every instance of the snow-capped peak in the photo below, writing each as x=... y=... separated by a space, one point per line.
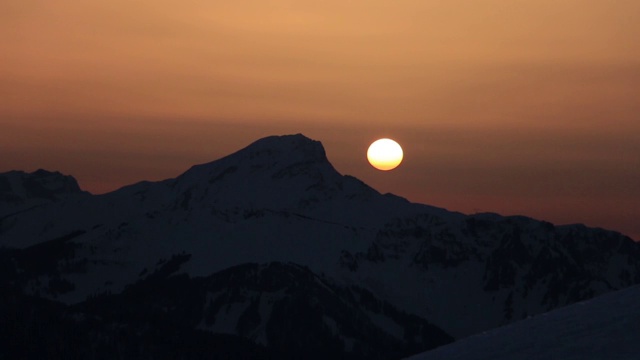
x=38 y=184
x=20 y=190
x=273 y=153
x=276 y=172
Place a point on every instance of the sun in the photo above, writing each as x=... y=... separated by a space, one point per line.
x=384 y=154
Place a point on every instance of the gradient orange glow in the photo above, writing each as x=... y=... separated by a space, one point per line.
x=516 y=107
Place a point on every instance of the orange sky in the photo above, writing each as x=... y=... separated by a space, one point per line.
x=510 y=106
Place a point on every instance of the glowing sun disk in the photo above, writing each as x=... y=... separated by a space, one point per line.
x=384 y=154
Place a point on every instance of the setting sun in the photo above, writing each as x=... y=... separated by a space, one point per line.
x=384 y=154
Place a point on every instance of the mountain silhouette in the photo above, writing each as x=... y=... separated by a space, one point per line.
x=272 y=247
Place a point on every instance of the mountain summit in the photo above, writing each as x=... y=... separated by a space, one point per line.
x=20 y=190
x=277 y=171
x=262 y=243
x=277 y=156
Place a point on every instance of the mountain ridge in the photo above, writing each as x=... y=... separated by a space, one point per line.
x=279 y=200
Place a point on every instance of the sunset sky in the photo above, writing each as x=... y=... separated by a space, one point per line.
x=509 y=106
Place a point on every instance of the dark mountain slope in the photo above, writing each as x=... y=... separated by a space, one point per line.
x=280 y=201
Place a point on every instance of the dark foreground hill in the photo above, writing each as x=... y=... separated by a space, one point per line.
x=605 y=327
x=270 y=250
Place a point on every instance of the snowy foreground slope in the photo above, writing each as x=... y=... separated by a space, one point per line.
x=223 y=248
x=606 y=327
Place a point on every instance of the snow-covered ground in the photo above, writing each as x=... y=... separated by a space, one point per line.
x=606 y=327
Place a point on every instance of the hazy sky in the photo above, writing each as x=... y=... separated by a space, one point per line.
x=510 y=106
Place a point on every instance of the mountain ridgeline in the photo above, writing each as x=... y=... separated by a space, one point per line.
x=271 y=253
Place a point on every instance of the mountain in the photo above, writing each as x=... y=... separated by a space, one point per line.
x=605 y=327
x=20 y=191
x=409 y=276
x=274 y=310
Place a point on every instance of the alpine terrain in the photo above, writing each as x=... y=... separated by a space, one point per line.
x=605 y=327
x=271 y=253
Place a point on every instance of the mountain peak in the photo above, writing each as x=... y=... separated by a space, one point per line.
x=273 y=155
x=290 y=148
x=259 y=174
x=17 y=186
x=286 y=141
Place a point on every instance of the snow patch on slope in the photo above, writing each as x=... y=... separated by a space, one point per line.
x=605 y=327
